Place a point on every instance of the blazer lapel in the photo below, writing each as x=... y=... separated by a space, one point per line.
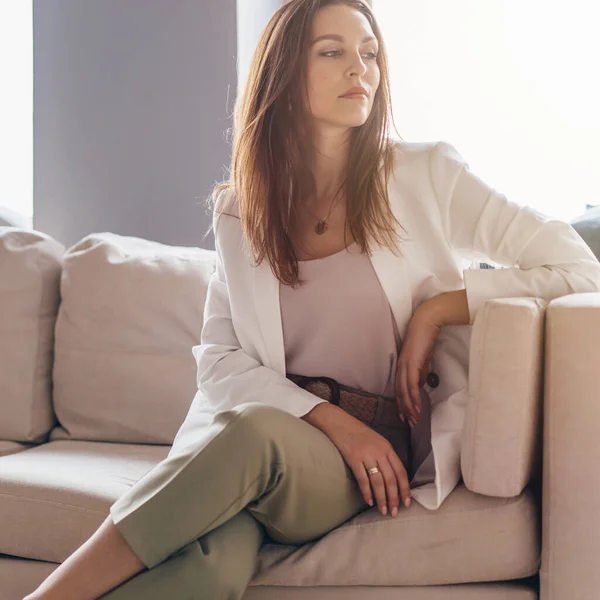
x=391 y=270
x=265 y=290
x=394 y=277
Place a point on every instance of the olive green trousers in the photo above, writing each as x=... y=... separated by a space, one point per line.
x=198 y=518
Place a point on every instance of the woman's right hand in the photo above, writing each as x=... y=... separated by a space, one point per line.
x=363 y=448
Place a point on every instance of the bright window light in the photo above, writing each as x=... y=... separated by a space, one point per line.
x=16 y=107
x=512 y=84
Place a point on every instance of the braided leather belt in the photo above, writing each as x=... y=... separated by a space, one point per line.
x=372 y=409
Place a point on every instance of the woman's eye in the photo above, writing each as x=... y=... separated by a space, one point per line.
x=373 y=55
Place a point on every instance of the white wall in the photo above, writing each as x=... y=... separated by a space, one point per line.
x=511 y=84
x=16 y=109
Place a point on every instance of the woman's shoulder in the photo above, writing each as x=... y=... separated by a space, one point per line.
x=226 y=201
x=410 y=159
x=409 y=151
x=437 y=159
x=429 y=150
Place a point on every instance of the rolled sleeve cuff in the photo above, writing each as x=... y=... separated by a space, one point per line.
x=302 y=405
x=479 y=288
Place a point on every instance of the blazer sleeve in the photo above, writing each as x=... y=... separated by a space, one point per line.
x=541 y=256
x=226 y=374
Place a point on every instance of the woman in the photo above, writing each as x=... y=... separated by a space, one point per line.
x=318 y=195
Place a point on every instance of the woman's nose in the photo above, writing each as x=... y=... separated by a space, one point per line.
x=358 y=65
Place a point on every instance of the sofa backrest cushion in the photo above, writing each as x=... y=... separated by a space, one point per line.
x=30 y=269
x=502 y=435
x=131 y=311
x=588 y=227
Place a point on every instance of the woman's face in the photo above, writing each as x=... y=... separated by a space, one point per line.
x=336 y=65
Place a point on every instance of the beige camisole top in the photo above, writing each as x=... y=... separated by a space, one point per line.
x=340 y=324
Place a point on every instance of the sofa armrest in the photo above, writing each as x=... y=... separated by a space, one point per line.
x=571 y=450
x=502 y=433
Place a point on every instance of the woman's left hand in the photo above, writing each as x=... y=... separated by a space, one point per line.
x=415 y=355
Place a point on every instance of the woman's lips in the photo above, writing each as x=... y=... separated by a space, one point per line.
x=355 y=97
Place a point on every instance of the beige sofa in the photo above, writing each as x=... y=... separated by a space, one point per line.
x=97 y=375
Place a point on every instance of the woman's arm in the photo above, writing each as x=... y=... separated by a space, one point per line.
x=543 y=257
x=449 y=308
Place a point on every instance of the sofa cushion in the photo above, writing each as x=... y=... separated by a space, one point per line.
x=7 y=448
x=131 y=312
x=30 y=269
x=59 y=493
x=469 y=538
x=502 y=434
x=19 y=577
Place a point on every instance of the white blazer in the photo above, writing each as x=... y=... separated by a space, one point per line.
x=451 y=218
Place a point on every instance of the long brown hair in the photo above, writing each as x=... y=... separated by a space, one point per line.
x=272 y=146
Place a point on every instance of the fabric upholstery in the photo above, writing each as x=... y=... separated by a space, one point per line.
x=501 y=439
x=571 y=451
x=20 y=577
x=7 y=448
x=58 y=494
x=474 y=591
x=122 y=352
x=30 y=270
x=131 y=311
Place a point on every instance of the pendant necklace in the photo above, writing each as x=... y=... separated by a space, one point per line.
x=321 y=226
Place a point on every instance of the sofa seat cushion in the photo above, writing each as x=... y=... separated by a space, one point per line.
x=58 y=494
x=55 y=495
x=470 y=538
x=19 y=577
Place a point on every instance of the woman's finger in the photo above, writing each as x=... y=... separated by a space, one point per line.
x=401 y=477
x=364 y=481
x=398 y=392
x=413 y=384
x=401 y=387
x=389 y=485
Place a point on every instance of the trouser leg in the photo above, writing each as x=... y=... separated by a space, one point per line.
x=218 y=566
x=289 y=475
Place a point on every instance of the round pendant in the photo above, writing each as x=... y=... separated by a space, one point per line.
x=321 y=227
